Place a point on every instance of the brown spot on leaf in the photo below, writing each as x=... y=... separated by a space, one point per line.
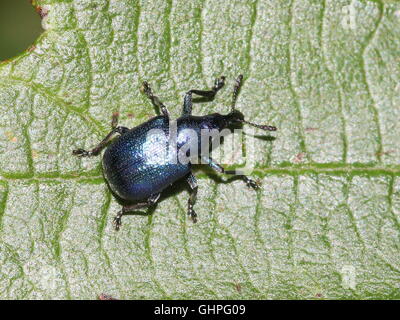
x=299 y=157
x=238 y=287
x=103 y=296
x=310 y=129
x=31 y=48
x=130 y=115
x=10 y=136
x=40 y=10
x=384 y=153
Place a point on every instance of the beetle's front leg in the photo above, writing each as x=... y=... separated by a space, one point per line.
x=210 y=94
x=97 y=149
x=154 y=99
x=127 y=209
x=214 y=165
x=193 y=196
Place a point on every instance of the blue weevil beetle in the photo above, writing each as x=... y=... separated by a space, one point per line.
x=132 y=164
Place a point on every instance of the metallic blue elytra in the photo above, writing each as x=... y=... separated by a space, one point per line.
x=135 y=165
x=143 y=161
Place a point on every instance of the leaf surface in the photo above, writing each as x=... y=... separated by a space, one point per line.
x=326 y=223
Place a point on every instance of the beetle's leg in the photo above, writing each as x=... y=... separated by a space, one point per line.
x=154 y=99
x=193 y=196
x=97 y=149
x=127 y=209
x=236 y=90
x=214 y=165
x=188 y=100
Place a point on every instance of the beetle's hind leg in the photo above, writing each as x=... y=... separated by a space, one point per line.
x=97 y=149
x=188 y=100
x=127 y=209
x=193 y=196
x=154 y=99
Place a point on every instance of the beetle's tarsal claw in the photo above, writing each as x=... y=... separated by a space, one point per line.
x=145 y=88
x=117 y=222
x=192 y=214
x=80 y=153
x=252 y=184
x=239 y=82
x=219 y=83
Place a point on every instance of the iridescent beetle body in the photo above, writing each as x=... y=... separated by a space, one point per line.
x=140 y=163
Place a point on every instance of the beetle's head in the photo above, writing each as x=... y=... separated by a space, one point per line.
x=219 y=121
x=235 y=116
x=234 y=119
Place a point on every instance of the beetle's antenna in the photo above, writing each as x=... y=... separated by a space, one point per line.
x=236 y=90
x=259 y=126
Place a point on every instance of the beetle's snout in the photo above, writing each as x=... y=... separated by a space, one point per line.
x=235 y=117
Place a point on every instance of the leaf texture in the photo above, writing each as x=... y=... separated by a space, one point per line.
x=326 y=223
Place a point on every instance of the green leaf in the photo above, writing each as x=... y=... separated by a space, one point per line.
x=326 y=223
